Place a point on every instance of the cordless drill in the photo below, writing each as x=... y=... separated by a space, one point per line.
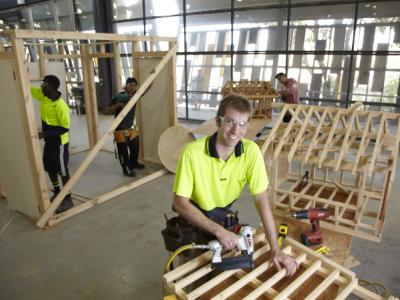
x=313 y=237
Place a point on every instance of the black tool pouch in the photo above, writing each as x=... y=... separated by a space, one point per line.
x=177 y=233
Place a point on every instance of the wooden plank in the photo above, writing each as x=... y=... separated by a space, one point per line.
x=89 y=91
x=300 y=134
x=248 y=277
x=173 y=115
x=146 y=54
x=286 y=135
x=63 y=56
x=395 y=153
x=272 y=133
x=323 y=285
x=77 y=209
x=255 y=283
x=273 y=280
x=117 y=67
x=188 y=267
x=377 y=148
x=108 y=133
x=344 y=147
x=299 y=281
x=130 y=186
x=101 y=55
x=330 y=137
x=347 y=290
x=68 y=35
x=366 y=294
x=136 y=73
x=42 y=61
x=314 y=139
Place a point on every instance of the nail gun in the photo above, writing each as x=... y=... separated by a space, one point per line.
x=245 y=261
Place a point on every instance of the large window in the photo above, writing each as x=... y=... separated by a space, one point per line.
x=338 y=51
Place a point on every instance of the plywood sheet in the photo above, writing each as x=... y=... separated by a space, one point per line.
x=154 y=109
x=15 y=170
x=171 y=144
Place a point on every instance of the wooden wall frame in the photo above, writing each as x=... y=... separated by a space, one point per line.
x=317 y=276
x=350 y=156
x=260 y=94
x=88 y=47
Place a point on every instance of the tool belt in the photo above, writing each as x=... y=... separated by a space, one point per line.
x=180 y=232
x=121 y=136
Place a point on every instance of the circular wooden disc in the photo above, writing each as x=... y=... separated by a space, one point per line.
x=170 y=145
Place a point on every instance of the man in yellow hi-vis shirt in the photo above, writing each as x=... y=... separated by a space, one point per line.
x=212 y=172
x=55 y=116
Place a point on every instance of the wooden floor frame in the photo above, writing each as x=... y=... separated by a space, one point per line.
x=317 y=275
x=350 y=156
x=95 y=47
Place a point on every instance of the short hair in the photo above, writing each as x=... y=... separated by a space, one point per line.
x=53 y=80
x=279 y=74
x=235 y=101
x=130 y=80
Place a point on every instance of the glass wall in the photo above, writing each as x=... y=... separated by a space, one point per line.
x=339 y=51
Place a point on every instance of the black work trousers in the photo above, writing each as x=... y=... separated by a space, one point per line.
x=128 y=153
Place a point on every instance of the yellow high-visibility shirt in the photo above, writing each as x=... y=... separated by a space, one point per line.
x=211 y=182
x=53 y=112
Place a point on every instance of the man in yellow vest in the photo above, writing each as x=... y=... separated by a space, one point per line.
x=55 y=116
x=212 y=172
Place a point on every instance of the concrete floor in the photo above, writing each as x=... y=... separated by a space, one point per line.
x=115 y=250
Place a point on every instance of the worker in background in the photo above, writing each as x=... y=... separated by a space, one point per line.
x=289 y=92
x=212 y=172
x=125 y=135
x=55 y=116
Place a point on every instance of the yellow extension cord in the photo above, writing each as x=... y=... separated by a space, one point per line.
x=375 y=286
x=172 y=257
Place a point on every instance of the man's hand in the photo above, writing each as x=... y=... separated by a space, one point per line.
x=228 y=239
x=278 y=258
x=40 y=134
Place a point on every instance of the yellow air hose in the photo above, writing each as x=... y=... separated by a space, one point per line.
x=177 y=251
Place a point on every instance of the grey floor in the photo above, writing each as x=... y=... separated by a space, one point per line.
x=115 y=250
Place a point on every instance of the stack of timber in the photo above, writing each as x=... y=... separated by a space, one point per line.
x=261 y=93
x=318 y=277
x=340 y=159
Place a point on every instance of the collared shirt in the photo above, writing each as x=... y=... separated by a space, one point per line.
x=126 y=122
x=212 y=182
x=53 y=113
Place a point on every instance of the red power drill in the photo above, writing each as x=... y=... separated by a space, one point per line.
x=313 y=237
